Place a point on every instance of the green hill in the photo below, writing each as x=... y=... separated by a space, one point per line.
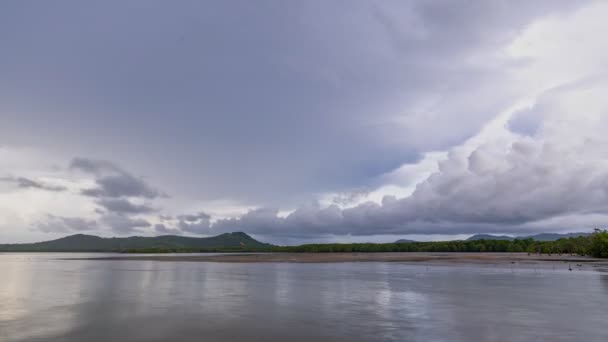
x=555 y=237
x=490 y=237
x=537 y=237
x=90 y=243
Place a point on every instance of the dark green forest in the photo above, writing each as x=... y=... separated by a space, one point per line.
x=595 y=245
x=91 y=243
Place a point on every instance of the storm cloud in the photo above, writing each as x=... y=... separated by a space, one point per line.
x=59 y=224
x=26 y=183
x=502 y=185
x=115 y=188
x=303 y=120
x=121 y=205
x=297 y=92
x=122 y=224
x=112 y=181
x=162 y=229
x=195 y=223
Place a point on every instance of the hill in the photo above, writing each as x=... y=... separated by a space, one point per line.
x=490 y=237
x=537 y=237
x=404 y=241
x=555 y=237
x=91 y=243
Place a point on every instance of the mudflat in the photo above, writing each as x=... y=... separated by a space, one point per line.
x=435 y=258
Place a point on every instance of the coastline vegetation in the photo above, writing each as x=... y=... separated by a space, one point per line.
x=595 y=245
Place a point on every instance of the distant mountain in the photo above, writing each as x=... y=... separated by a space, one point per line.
x=91 y=243
x=537 y=237
x=555 y=237
x=404 y=241
x=490 y=237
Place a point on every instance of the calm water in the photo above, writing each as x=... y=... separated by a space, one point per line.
x=43 y=299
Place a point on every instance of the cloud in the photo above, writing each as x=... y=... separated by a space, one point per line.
x=27 y=183
x=525 y=122
x=198 y=224
x=121 y=205
x=122 y=224
x=115 y=189
x=164 y=230
x=60 y=224
x=121 y=185
x=113 y=181
x=94 y=166
x=195 y=223
x=263 y=221
x=400 y=114
x=353 y=196
x=511 y=183
x=351 y=90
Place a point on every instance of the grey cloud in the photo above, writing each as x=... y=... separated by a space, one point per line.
x=298 y=98
x=342 y=85
x=199 y=224
x=121 y=185
x=195 y=224
x=164 y=230
x=350 y=197
x=522 y=185
x=122 y=224
x=121 y=205
x=526 y=122
x=60 y=224
x=194 y=217
x=94 y=166
x=27 y=183
x=165 y=217
x=113 y=181
x=263 y=221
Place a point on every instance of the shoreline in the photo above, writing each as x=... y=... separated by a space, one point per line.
x=413 y=257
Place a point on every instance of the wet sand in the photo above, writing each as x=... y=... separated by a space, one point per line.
x=434 y=258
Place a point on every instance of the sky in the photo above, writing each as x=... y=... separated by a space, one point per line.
x=302 y=121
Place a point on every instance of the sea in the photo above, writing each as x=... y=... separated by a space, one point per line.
x=44 y=297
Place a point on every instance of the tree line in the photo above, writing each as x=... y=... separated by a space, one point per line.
x=595 y=245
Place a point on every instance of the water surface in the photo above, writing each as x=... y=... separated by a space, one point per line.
x=46 y=299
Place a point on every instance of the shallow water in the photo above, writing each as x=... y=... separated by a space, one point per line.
x=45 y=299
